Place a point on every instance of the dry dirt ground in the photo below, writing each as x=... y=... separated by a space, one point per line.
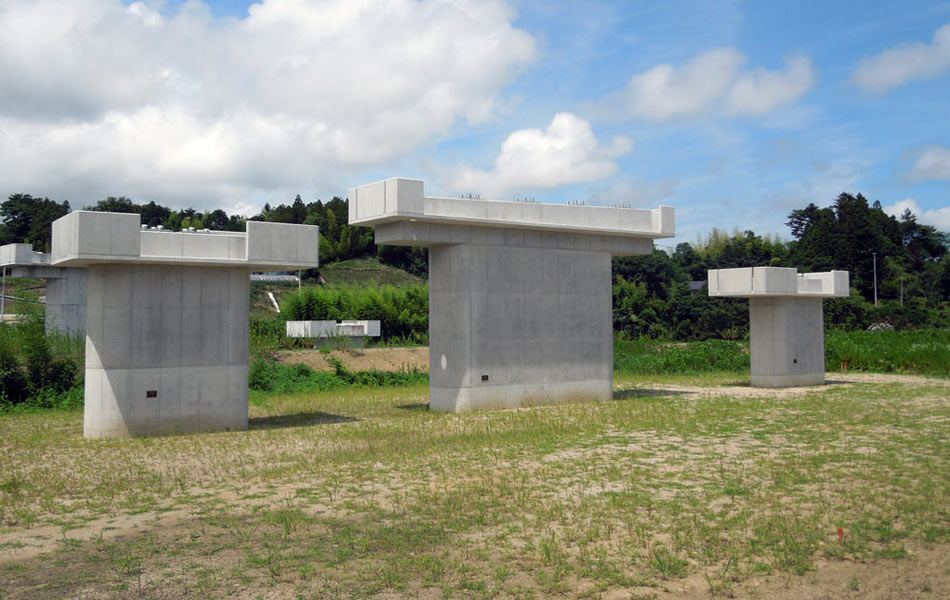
x=923 y=572
x=362 y=359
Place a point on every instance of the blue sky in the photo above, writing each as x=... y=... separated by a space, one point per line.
x=734 y=113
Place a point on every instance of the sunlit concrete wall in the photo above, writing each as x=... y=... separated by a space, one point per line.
x=166 y=349
x=519 y=292
x=513 y=326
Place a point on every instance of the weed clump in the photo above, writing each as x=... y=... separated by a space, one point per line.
x=39 y=370
x=645 y=356
x=267 y=375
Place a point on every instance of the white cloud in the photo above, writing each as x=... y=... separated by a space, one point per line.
x=932 y=162
x=564 y=153
x=761 y=91
x=939 y=217
x=902 y=64
x=99 y=98
x=634 y=192
x=715 y=81
x=665 y=92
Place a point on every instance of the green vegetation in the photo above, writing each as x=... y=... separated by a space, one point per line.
x=362 y=492
x=271 y=376
x=649 y=357
x=23 y=296
x=917 y=352
x=652 y=296
x=403 y=312
x=39 y=370
x=367 y=272
x=924 y=352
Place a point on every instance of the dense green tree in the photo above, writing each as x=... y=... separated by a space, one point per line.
x=28 y=219
x=216 y=220
x=119 y=204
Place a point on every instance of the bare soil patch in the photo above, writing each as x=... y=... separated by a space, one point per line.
x=363 y=359
x=744 y=390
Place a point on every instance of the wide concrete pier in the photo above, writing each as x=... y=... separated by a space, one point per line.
x=786 y=323
x=65 y=287
x=519 y=292
x=167 y=318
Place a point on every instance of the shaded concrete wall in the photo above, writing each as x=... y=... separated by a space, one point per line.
x=512 y=325
x=166 y=349
x=66 y=302
x=787 y=341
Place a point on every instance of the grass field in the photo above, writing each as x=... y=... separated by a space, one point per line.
x=681 y=483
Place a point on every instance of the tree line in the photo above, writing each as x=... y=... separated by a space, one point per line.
x=658 y=295
x=653 y=295
x=27 y=219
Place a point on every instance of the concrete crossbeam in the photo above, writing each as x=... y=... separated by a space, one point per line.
x=519 y=292
x=395 y=200
x=786 y=323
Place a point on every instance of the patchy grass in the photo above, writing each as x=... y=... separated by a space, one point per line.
x=365 y=493
x=366 y=272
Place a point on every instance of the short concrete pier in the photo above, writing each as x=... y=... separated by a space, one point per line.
x=786 y=323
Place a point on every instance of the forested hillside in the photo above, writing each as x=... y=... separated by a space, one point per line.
x=653 y=295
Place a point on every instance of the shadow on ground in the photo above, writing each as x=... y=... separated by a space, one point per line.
x=647 y=393
x=418 y=407
x=297 y=420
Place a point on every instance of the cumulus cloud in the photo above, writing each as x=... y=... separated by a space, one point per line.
x=101 y=98
x=939 y=217
x=566 y=152
x=902 y=64
x=932 y=162
x=715 y=80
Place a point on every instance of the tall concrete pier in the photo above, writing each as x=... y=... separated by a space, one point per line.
x=65 y=287
x=786 y=323
x=519 y=292
x=167 y=318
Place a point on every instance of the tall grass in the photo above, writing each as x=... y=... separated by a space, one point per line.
x=39 y=370
x=920 y=351
x=645 y=356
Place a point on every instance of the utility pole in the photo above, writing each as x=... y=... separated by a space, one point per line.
x=902 y=291
x=875 y=277
x=3 y=295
